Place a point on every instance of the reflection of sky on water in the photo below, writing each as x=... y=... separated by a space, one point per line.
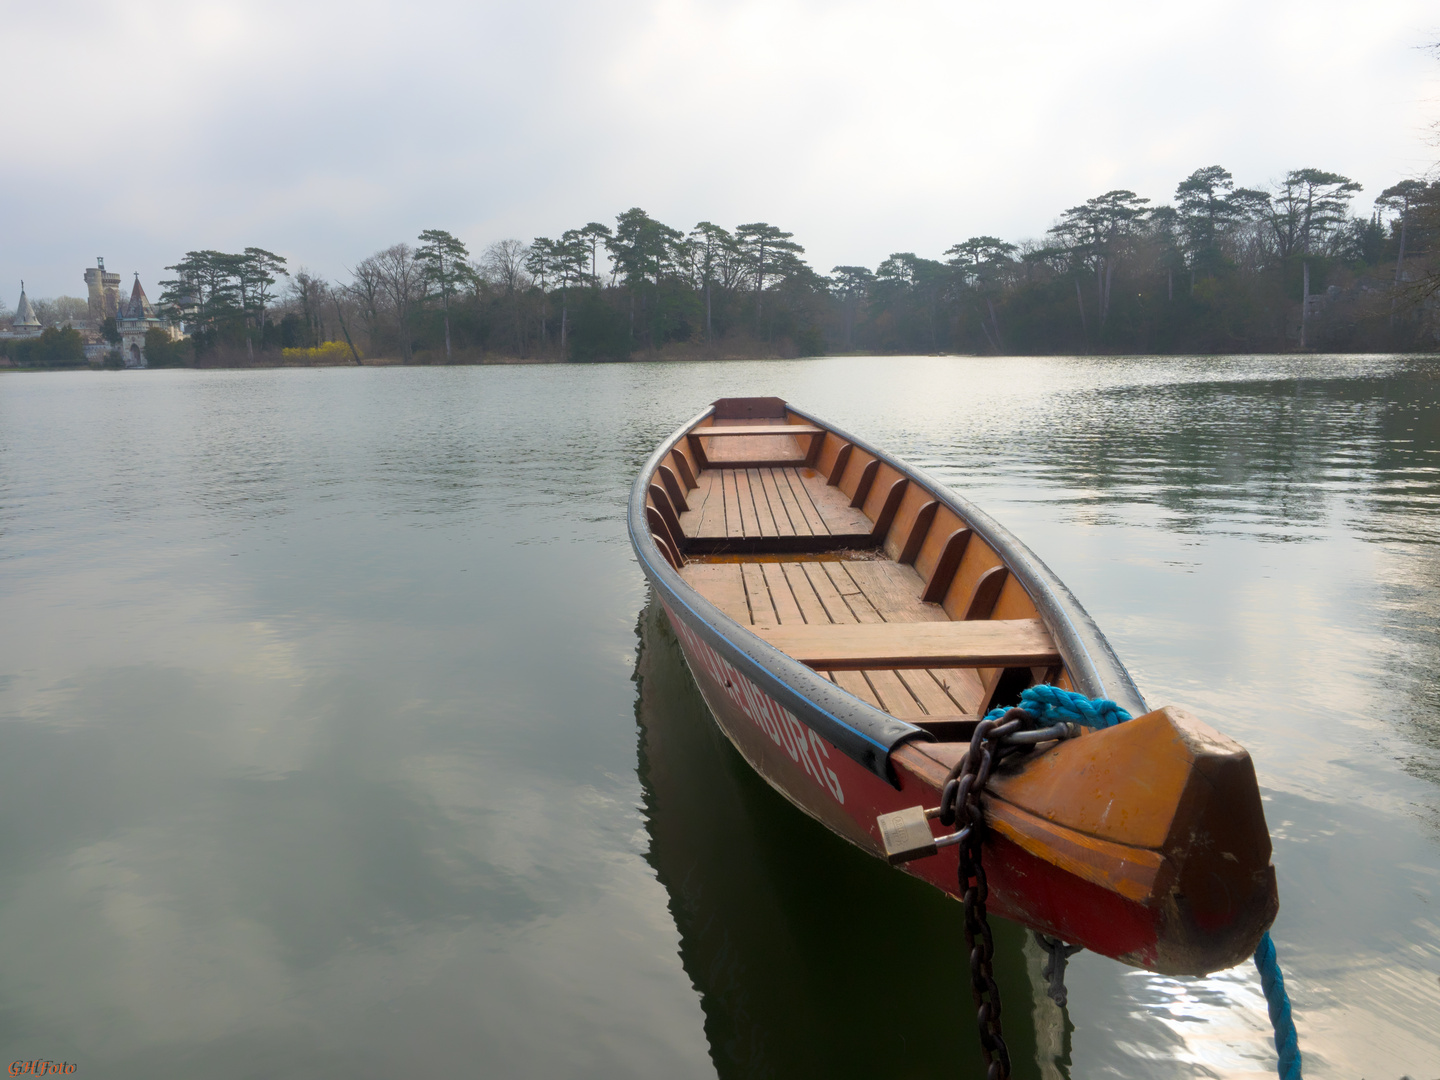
x=316 y=722
x=248 y=860
x=285 y=789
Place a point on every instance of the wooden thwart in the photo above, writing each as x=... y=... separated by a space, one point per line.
x=980 y=643
x=756 y=429
x=807 y=592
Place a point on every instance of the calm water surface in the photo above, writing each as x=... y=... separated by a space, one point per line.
x=338 y=737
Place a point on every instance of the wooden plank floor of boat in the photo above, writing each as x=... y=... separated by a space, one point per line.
x=768 y=502
x=783 y=591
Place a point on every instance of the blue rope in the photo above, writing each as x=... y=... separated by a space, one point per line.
x=1287 y=1045
x=1050 y=704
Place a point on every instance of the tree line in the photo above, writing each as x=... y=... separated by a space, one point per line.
x=1221 y=268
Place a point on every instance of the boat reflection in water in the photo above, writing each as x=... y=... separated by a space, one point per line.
x=811 y=957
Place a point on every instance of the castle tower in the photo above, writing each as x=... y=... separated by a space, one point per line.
x=135 y=317
x=138 y=309
x=25 y=320
x=104 y=293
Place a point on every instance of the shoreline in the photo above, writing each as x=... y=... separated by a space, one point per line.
x=658 y=356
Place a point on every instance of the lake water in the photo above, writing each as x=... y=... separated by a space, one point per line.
x=338 y=737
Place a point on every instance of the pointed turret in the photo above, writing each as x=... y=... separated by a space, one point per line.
x=139 y=305
x=24 y=314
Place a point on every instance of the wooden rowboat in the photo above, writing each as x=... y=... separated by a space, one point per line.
x=848 y=621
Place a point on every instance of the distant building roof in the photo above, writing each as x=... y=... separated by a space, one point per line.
x=25 y=314
x=138 y=306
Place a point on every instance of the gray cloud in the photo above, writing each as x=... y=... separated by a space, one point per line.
x=325 y=130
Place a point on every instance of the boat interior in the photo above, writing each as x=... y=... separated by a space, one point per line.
x=849 y=566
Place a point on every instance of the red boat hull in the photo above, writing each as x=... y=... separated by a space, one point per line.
x=1146 y=906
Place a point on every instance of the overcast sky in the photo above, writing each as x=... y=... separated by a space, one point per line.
x=326 y=129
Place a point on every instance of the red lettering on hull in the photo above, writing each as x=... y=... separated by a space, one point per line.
x=803 y=745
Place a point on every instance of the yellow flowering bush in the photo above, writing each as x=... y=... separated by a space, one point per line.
x=332 y=352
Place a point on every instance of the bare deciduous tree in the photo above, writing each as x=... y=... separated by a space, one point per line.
x=61 y=310
x=503 y=265
x=368 y=297
x=402 y=282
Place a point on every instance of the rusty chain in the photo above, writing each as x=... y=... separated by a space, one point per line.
x=995 y=739
x=960 y=801
x=1058 y=955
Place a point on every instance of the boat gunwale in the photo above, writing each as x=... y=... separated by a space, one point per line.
x=864 y=733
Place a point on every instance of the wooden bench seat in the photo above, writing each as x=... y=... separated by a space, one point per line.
x=977 y=643
x=719 y=431
x=868 y=592
x=754 y=443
